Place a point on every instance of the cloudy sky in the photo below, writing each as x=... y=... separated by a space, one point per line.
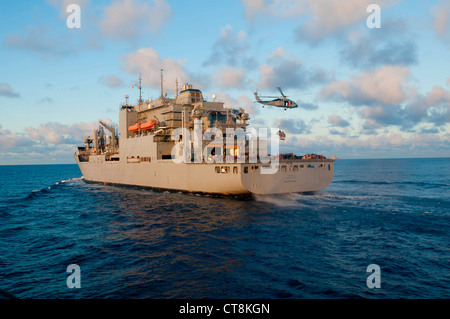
x=363 y=92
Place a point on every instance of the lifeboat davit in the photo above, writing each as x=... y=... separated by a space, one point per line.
x=148 y=125
x=134 y=128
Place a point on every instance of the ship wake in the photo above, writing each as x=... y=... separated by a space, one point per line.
x=37 y=192
x=281 y=200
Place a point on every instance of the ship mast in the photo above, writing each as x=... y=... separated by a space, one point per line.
x=140 y=89
x=162 y=80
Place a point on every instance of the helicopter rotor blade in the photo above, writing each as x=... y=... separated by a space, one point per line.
x=279 y=89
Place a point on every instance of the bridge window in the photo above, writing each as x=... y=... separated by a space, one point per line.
x=225 y=169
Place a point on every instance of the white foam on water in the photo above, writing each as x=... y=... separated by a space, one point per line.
x=75 y=179
x=282 y=200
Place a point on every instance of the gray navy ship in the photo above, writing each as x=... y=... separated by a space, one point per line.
x=141 y=151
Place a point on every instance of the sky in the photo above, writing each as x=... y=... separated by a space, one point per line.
x=367 y=85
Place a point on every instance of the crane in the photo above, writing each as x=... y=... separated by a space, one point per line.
x=113 y=132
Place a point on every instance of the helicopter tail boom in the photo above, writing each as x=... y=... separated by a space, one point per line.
x=257 y=97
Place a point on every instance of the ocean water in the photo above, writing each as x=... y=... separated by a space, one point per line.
x=136 y=243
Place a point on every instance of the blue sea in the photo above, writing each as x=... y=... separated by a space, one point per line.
x=138 y=243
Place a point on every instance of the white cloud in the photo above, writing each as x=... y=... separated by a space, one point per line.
x=293 y=126
x=62 y=5
x=318 y=18
x=58 y=134
x=434 y=106
x=227 y=100
x=111 y=81
x=287 y=72
x=441 y=19
x=9 y=140
x=307 y=105
x=330 y=17
x=385 y=85
x=247 y=104
x=385 y=97
x=148 y=62
x=336 y=120
x=228 y=77
x=41 y=40
x=437 y=95
x=373 y=146
x=7 y=91
x=231 y=49
x=281 y=8
x=130 y=19
x=277 y=54
x=393 y=44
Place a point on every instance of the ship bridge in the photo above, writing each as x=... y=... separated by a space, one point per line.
x=189 y=95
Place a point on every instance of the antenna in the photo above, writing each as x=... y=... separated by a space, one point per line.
x=176 y=87
x=126 y=99
x=140 y=88
x=162 y=80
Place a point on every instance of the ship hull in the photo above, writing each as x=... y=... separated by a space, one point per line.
x=229 y=179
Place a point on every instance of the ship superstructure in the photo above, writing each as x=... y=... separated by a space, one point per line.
x=140 y=152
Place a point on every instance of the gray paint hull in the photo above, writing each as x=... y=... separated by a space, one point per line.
x=214 y=178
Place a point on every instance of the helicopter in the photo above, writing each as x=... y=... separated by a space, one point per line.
x=278 y=102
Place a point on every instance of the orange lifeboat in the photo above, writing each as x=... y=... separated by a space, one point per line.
x=134 y=128
x=148 y=125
